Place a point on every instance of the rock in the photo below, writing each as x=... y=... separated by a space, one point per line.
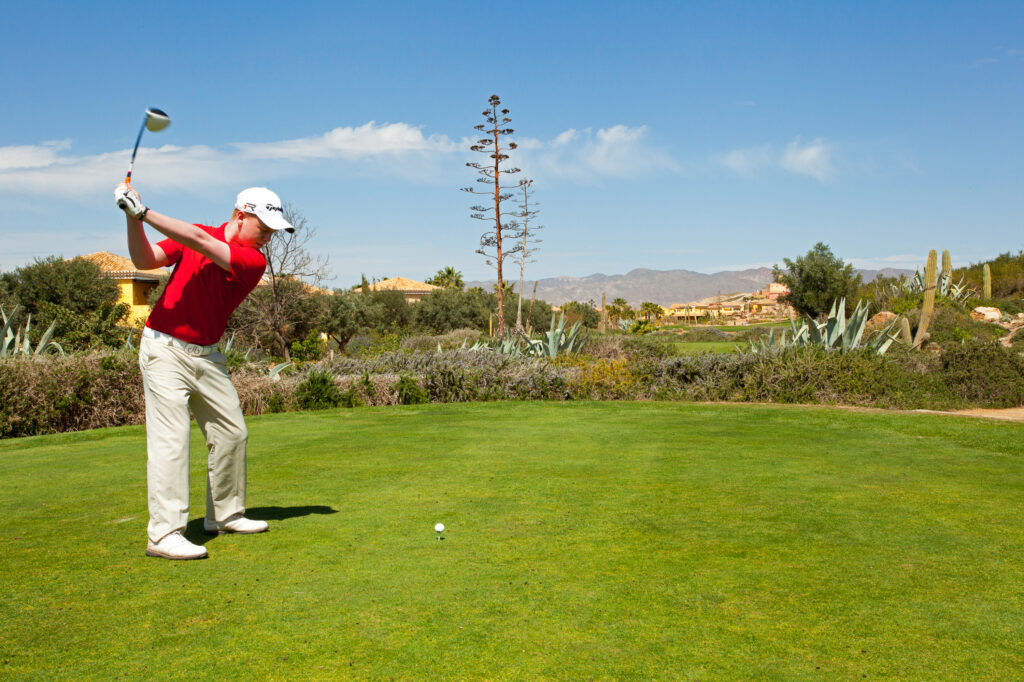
x=880 y=321
x=986 y=314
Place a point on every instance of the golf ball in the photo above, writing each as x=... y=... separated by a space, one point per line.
x=439 y=528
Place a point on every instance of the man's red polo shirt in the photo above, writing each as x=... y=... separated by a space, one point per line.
x=200 y=296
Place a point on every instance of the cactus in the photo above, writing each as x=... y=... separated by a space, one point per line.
x=928 y=304
x=986 y=278
x=947 y=272
x=905 y=336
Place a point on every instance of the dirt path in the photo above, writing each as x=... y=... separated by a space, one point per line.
x=1015 y=414
x=1010 y=414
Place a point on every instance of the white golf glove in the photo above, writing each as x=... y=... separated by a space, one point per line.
x=128 y=200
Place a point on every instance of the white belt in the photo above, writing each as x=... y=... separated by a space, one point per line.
x=190 y=348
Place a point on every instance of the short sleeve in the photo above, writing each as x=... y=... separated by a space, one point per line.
x=247 y=264
x=172 y=249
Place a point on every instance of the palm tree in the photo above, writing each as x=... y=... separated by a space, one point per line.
x=650 y=310
x=619 y=309
x=447 y=277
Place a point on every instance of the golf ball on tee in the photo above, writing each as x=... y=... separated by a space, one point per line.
x=439 y=528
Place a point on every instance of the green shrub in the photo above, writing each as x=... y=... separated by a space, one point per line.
x=952 y=324
x=641 y=327
x=410 y=392
x=984 y=373
x=276 y=403
x=451 y=340
x=350 y=397
x=705 y=334
x=309 y=349
x=54 y=394
x=388 y=342
x=318 y=391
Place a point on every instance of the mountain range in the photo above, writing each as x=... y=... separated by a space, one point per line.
x=663 y=287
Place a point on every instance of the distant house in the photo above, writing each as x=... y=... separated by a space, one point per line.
x=411 y=289
x=687 y=311
x=773 y=291
x=135 y=285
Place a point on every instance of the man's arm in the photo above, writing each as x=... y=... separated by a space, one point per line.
x=147 y=256
x=191 y=236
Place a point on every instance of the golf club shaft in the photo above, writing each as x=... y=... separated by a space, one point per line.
x=128 y=178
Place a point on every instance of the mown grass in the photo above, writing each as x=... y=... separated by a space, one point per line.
x=729 y=327
x=694 y=347
x=604 y=540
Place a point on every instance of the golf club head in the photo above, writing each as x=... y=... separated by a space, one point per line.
x=156 y=120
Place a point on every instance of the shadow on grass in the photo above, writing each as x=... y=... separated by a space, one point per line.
x=195 y=533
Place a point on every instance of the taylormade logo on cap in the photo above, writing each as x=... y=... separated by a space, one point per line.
x=265 y=205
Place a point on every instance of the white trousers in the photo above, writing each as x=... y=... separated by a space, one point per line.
x=175 y=382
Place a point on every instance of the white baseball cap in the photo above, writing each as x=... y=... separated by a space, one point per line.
x=265 y=205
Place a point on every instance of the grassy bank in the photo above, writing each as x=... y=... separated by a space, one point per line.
x=606 y=540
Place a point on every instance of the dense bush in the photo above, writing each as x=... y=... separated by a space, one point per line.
x=1007 y=274
x=706 y=334
x=444 y=310
x=452 y=340
x=53 y=394
x=952 y=324
x=576 y=312
x=806 y=375
x=318 y=391
x=73 y=284
x=984 y=373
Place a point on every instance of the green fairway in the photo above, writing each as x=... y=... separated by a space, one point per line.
x=585 y=540
x=694 y=347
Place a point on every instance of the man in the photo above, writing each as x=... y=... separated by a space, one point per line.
x=214 y=270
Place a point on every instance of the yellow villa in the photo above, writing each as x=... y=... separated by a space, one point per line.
x=135 y=285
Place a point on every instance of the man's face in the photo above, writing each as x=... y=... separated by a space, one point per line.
x=252 y=232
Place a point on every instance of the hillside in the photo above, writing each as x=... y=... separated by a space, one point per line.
x=664 y=287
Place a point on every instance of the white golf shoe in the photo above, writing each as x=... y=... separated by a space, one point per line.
x=236 y=524
x=175 y=546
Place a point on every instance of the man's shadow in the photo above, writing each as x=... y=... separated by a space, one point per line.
x=195 y=533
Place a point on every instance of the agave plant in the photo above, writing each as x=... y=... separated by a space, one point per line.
x=958 y=292
x=835 y=333
x=16 y=342
x=557 y=341
x=275 y=371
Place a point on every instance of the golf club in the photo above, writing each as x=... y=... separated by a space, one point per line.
x=155 y=121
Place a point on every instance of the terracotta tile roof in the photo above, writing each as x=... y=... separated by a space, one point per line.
x=117 y=267
x=401 y=284
x=308 y=288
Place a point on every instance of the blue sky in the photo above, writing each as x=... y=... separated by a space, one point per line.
x=704 y=135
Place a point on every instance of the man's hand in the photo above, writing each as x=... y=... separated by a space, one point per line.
x=128 y=200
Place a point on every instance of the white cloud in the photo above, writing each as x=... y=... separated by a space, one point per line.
x=50 y=168
x=813 y=158
x=583 y=155
x=367 y=140
x=400 y=149
x=747 y=161
x=32 y=156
